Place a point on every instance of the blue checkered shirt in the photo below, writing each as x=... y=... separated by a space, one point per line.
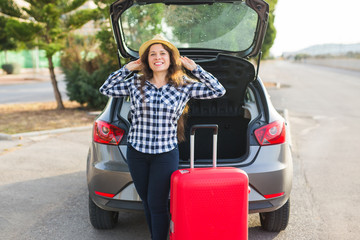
x=155 y=113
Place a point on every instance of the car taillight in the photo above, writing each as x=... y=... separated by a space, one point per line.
x=275 y=195
x=109 y=195
x=273 y=133
x=106 y=133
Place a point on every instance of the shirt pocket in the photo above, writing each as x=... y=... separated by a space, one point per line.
x=170 y=101
x=170 y=98
x=142 y=101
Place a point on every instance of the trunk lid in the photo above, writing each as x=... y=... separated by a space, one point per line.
x=199 y=29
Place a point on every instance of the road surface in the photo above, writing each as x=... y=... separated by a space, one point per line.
x=35 y=91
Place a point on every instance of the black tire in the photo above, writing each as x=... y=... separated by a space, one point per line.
x=100 y=218
x=277 y=220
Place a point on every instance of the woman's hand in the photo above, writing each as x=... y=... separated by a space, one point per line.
x=188 y=63
x=134 y=65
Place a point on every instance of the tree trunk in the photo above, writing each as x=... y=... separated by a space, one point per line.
x=57 y=94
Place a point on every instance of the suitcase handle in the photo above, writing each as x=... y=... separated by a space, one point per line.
x=215 y=127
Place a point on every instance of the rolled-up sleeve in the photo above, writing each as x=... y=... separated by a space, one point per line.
x=208 y=87
x=116 y=85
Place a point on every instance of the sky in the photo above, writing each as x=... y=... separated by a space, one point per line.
x=303 y=23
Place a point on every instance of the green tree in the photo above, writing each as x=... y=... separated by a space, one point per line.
x=105 y=35
x=6 y=42
x=46 y=23
x=271 y=30
x=86 y=67
x=88 y=60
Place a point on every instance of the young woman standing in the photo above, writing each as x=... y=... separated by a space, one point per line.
x=158 y=98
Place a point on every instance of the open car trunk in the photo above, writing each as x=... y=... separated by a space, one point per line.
x=227 y=112
x=203 y=30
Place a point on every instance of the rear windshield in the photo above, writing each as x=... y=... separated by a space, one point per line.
x=220 y=26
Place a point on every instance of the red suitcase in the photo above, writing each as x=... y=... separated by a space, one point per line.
x=208 y=203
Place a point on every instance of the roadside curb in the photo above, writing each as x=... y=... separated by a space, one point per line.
x=41 y=133
x=4 y=136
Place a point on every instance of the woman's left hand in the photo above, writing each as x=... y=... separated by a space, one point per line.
x=188 y=63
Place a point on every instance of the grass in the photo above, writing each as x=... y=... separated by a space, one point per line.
x=28 y=117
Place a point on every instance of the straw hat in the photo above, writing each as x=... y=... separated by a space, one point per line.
x=159 y=39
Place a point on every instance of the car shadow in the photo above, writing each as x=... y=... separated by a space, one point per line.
x=256 y=232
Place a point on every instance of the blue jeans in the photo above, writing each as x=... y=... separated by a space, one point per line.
x=151 y=174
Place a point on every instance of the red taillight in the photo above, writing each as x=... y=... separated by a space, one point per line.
x=273 y=133
x=109 y=195
x=274 y=195
x=106 y=133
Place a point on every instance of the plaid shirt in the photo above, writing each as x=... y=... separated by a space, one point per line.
x=155 y=113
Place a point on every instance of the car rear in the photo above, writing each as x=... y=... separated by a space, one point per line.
x=252 y=135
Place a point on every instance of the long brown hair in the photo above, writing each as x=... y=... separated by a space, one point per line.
x=174 y=76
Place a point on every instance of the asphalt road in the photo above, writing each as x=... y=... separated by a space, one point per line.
x=43 y=184
x=41 y=91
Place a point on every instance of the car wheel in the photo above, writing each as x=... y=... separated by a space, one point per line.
x=100 y=218
x=277 y=220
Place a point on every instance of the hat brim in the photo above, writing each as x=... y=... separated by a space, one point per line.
x=146 y=44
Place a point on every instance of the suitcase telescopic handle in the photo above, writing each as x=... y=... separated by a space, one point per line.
x=192 y=142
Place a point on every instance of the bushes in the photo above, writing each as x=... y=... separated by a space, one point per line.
x=83 y=86
x=11 y=68
x=86 y=68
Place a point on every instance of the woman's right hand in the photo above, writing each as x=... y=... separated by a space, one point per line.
x=134 y=65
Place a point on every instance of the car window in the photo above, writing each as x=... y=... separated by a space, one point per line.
x=219 y=26
x=249 y=96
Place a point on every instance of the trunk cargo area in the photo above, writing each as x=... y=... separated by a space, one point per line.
x=227 y=112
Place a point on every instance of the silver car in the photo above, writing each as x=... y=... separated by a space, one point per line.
x=221 y=36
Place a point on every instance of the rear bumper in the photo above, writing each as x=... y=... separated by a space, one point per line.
x=129 y=200
x=267 y=205
x=110 y=204
x=110 y=176
x=270 y=173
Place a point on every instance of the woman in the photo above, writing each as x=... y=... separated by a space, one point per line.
x=158 y=98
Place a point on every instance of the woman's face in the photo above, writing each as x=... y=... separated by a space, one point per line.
x=158 y=58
